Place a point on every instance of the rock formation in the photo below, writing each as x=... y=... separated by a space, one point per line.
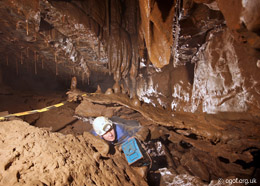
x=187 y=70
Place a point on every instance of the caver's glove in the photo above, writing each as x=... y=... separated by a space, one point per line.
x=74 y=95
x=142 y=134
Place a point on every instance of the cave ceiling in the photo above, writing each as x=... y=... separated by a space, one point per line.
x=96 y=39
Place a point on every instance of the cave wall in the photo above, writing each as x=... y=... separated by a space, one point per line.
x=214 y=70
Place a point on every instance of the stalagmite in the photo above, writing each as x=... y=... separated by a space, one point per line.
x=73 y=84
x=98 y=91
x=116 y=87
x=109 y=91
x=135 y=101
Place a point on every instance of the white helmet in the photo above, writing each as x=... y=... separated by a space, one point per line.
x=101 y=125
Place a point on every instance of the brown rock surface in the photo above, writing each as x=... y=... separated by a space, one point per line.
x=32 y=156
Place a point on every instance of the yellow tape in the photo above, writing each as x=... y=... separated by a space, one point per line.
x=58 y=105
x=39 y=110
x=43 y=110
x=34 y=111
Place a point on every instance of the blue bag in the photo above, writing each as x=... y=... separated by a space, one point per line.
x=132 y=151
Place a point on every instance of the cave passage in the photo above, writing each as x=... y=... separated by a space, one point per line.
x=187 y=71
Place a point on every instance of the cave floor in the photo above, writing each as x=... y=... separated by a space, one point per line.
x=203 y=152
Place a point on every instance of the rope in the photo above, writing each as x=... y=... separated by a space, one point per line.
x=38 y=110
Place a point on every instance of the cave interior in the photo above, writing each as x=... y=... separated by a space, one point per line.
x=187 y=70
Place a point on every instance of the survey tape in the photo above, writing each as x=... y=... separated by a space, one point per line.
x=37 y=111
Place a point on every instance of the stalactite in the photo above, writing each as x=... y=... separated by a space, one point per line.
x=53 y=34
x=27 y=66
x=27 y=27
x=55 y=57
x=99 y=30
x=35 y=36
x=123 y=66
x=126 y=55
x=35 y=62
x=100 y=36
x=115 y=49
x=19 y=10
x=82 y=77
x=27 y=52
x=108 y=17
x=148 y=26
x=16 y=64
x=87 y=72
x=176 y=32
x=57 y=73
x=134 y=68
x=49 y=33
x=98 y=47
x=18 y=25
x=90 y=24
x=37 y=57
x=21 y=58
x=73 y=70
x=109 y=58
x=7 y=61
x=63 y=18
x=42 y=64
x=46 y=41
x=56 y=63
